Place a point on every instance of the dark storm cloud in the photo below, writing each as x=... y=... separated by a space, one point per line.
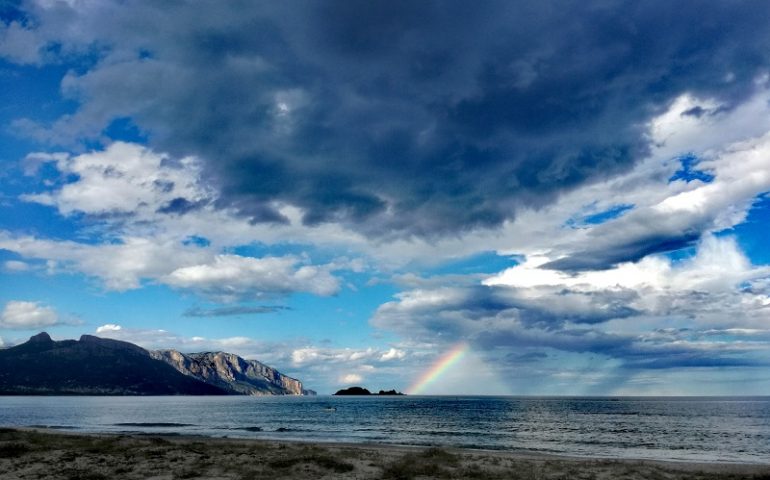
x=180 y=206
x=399 y=117
x=611 y=255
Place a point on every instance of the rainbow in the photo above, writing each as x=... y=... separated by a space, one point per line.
x=439 y=367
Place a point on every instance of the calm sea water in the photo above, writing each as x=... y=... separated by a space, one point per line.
x=700 y=429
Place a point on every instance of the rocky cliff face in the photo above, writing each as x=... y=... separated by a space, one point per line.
x=101 y=366
x=231 y=372
x=91 y=366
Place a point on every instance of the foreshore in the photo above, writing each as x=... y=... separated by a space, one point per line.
x=46 y=454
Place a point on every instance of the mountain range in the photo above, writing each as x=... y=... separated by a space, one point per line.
x=101 y=366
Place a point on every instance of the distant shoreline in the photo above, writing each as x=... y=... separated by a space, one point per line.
x=45 y=453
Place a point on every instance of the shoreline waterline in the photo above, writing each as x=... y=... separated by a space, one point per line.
x=516 y=453
x=722 y=430
x=37 y=453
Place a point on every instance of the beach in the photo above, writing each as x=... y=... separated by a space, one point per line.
x=43 y=454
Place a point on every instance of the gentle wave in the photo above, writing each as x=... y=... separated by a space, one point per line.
x=54 y=427
x=153 y=424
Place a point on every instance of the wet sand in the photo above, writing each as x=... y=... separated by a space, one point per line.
x=42 y=454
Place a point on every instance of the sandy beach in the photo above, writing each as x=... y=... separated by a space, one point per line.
x=42 y=454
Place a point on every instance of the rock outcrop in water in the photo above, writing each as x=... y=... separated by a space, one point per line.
x=353 y=391
x=100 y=366
x=364 y=391
x=233 y=373
x=390 y=392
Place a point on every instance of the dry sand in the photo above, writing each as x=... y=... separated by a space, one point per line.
x=41 y=454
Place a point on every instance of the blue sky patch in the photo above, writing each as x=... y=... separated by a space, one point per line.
x=599 y=218
x=689 y=172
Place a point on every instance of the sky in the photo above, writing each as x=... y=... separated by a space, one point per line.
x=495 y=197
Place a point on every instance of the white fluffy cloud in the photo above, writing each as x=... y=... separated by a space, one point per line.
x=378 y=366
x=684 y=210
x=662 y=211
x=708 y=310
x=124 y=265
x=120 y=265
x=392 y=354
x=16 y=266
x=18 y=44
x=109 y=328
x=718 y=266
x=150 y=206
x=27 y=315
x=718 y=286
x=124 y=179
x=232 y=277
x=318 y=355
x=139 y=193
x=158 y=339
x=350 y=378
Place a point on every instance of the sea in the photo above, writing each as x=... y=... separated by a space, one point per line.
x=702 y=429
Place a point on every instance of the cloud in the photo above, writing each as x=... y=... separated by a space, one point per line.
x=718 y=146
x=350 y=378
x=740 y=172
x=18 y=44
x=27 y=315
x=159 y=339
x=392 y=354
x=123 y=179
x=622 y=313
x=658 y=210
x=120 y=265
x=452 y=311
x=124 y=265
x=719 y=265
x=108 y=328
x=146 y=207
x=318 y=355
x=16 y=266
x=397 y=119
x=233 y=311
x=232 y=277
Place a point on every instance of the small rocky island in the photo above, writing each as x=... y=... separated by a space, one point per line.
x=364 y=391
